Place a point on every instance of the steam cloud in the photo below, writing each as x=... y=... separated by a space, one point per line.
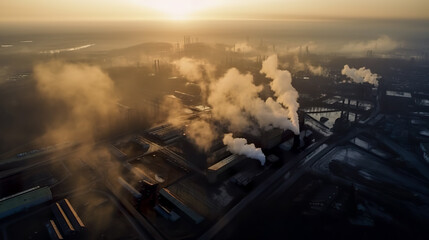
x=201 y=133
x=234 y=99
x=283 y=89
x=173 y=109
x=194 y=70
x=240 y=146
x=87 y=93
x=381 y=44
x=296 y=65
x=360 y=75
x=317 y=71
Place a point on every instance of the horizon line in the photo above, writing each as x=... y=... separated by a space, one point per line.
x=302 y=18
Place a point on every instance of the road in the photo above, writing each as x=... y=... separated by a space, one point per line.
x=280 y=181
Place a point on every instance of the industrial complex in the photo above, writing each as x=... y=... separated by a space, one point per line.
x=358 y=165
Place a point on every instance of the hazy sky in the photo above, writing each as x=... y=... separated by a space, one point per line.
x=209 y=9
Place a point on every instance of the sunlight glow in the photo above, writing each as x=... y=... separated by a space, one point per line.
x=179 y=9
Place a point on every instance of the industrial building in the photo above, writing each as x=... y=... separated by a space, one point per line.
x=166 y=133
x=23 y=200
x=268 y=139
x=396 y=101
x=194 y=216
x=134 y=196
x=138 y=189
x=53 y=231
x=222 y=166
x=166 y=213
x=67 y=223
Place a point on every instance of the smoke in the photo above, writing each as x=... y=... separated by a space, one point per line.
x=194 y=70
x=198 y=131
x=240 y=146
x=234 y=98
x=243 y=47
x=172 y=110
x=381 y=44
x=317 y=71
x=201 y=133
x=296 y=65
x=283 y=89
x=302 y=49
x=197 y=71
x=87 y=94
x=360 y=75
x=229 y=96
x=89 y=105
x=235 y=101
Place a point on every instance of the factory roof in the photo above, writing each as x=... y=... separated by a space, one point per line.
x=181 y=206
x=398 y=94
x=22 y=200
x=72 y=215
x=53 y=230
x=234 y=158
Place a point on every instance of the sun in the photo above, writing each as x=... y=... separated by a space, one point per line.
x=179 y=9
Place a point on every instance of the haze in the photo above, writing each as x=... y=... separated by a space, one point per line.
x=28 y=10
x=226 y=119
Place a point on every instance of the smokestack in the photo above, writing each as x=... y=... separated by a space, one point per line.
x=357 y=107
x=348 y=109
x=296 y=142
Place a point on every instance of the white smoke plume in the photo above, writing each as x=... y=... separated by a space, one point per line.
x=283 y=89
x=360 y=75
x=240 y=146
x=381 y=44
x=234 y=98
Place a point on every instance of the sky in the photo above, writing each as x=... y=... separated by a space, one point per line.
x=64 y=10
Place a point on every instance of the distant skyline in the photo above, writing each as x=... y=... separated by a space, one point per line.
x=68 y=10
